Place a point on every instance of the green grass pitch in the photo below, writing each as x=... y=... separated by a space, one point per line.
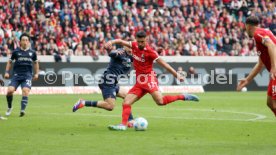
x=221 y=123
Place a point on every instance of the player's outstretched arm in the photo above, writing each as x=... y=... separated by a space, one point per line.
x=168 y=67
x=109 y=44
x=8 y=68
x=257 y=68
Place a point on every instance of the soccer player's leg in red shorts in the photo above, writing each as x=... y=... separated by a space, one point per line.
x=134 y=94
x=271 y=96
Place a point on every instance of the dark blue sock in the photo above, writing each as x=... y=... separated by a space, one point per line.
x=9 y=100
x=130 y=117
x=91 y=103
x=24 y=102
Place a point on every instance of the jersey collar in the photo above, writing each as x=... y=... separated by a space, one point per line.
x=25 y=49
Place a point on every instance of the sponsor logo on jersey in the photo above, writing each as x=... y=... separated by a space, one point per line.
x=138 y=58
x=24 y=59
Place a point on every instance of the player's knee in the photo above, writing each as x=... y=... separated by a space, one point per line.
x=110 y=107
x=25 y=92
x=159 y=102
x=10 y=92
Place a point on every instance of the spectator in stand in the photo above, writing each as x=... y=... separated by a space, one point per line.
x=171 y=22
x=227 y=46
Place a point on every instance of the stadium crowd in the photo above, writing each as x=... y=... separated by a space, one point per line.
x=175 y=27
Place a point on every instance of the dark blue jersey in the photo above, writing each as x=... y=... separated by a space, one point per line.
x=23 y=61
x=118 y=65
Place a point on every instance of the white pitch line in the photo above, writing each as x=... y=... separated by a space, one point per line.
x=257 y=118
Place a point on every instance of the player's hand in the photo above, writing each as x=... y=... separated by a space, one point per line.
x=120 y=52
x=1 y=82
x=108 y=45
x=273 y=73
x=7 y=75
x=35 y=77
x=242 y=83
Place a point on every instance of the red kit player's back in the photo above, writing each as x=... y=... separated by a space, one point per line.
x=143 y=59
x=260 y=35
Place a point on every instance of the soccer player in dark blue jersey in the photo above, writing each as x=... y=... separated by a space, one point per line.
x=23 y=59
x=120 y=64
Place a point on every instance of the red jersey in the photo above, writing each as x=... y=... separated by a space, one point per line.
x=260 y=36
x=143 y=59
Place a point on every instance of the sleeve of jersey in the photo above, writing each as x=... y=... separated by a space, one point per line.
x=112 y=54
x=154 y=55
x=13 y=56
x=261 y=38
x=35 y=57
x=132 y=44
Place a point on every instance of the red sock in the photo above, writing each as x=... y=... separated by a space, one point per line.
x=125 y=113
x=169 y=99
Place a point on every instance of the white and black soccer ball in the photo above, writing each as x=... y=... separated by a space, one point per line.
x=140 y=124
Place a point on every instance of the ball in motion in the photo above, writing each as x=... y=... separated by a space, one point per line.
x=140 y=124
x=244 y=89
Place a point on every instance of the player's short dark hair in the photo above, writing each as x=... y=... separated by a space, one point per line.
x=141 y=34
x=252 y=20
x=25 y=35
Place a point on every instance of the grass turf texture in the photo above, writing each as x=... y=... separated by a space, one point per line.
x=221 y=123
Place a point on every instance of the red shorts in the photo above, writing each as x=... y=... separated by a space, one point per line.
x=143 y=86
x=271 y=90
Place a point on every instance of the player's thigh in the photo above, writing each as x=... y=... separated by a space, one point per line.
x=122 y=92
x=130 y=99
x=157 y=97
x=26 y=83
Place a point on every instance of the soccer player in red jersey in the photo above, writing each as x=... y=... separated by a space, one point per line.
x=265 y=43
x=146 y=81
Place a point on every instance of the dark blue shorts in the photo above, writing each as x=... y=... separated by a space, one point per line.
x=109 y=91
x=24 y=81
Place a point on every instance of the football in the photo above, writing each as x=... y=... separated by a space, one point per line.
x=140 y=124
